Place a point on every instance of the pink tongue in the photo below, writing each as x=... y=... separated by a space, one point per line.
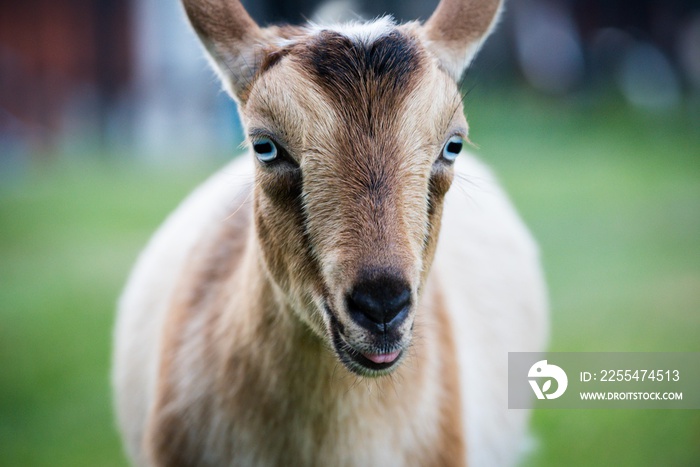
x=382 y=357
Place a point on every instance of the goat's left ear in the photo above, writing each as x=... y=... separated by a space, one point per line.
x=457 y=29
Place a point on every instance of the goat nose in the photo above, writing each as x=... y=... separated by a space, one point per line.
x=379 y=303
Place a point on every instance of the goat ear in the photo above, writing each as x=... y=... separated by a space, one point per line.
x=457 y=29
x=232 y=39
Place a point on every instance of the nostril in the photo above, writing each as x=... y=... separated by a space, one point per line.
x=379 y=300
x=400 y=301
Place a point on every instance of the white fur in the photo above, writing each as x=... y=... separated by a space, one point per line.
x=364 y=32
x=144 y=302
x=489 y=267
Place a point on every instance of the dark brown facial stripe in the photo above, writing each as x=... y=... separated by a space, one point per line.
x=367 y=82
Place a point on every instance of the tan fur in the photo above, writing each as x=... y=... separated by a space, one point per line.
x=248 y=335
x=263 y=388
x=451 y=446
x=462 y=21
x=457 y=29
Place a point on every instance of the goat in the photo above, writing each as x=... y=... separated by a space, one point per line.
x=298 y=308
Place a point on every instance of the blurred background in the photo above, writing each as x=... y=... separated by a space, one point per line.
x=589 y=111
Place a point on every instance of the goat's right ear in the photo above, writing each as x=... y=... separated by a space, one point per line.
x=233 y=40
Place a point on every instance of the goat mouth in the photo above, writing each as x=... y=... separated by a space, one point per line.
x=358 y=362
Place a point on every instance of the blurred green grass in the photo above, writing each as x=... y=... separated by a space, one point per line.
x=69 y=235
x=612 y=196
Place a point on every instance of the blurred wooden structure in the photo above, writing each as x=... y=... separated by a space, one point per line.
x=57 y=54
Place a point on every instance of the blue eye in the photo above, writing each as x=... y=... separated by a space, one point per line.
x=452 y=148
x=265 y=150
